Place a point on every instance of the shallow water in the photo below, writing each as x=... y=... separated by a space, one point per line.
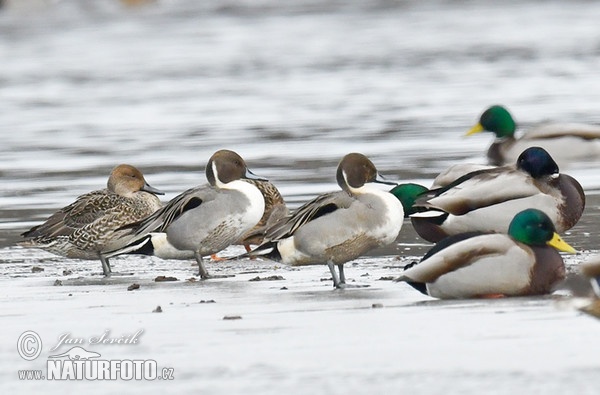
x=291 y=87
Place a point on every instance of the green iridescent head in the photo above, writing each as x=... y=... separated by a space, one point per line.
x=495 y=119
x=407 y=194
x=534 y=227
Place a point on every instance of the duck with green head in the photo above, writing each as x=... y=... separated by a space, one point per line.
x=487 y=200
x=583 y=140
x=523 y=262
x=407 y=194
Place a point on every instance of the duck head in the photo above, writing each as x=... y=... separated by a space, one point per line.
x=495 y=119
x=407 y=194
x=226 y=166
x=533 y=227
x=125 y=180
x=537 y=162
x=355 y=170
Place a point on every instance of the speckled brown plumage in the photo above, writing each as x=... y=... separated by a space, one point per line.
x=87 y=226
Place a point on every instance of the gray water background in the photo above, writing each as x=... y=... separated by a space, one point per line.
x=291 y=86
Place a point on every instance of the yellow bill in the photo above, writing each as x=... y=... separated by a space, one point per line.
x=560 y=244
x=475 y=129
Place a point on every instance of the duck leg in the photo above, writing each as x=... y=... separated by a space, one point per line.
x=203 y=273
x=342 y=275
x=334 y=275
x=105 y=266
x=340 y=282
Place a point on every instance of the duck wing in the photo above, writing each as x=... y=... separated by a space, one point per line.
x=480 y=189
x=86 y=209
x=320 y=206
x=160 y=220
x=557 y=130
x=454 y=253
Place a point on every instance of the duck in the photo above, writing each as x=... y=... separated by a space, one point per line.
x=407 y=194
x=275 y=209
x=523 y=262
x=583 y=140
x=88 y=226
x=203 y=220
x=337 y=227
x=584 y=286
x=454 y=172
x=487 y=199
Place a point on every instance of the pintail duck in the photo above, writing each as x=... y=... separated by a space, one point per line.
x=275 y=209
x=337 y=227
x=91 y=224
x=487 y=200
x=523 y=262
x=203 y=220
x=583 y=140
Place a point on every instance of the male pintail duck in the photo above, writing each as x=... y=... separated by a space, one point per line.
x=91 y=224
x=337 y=227
x=203 y=220
x=487 y=200
x=471 y=265
x=583 y=140
x=275 y=209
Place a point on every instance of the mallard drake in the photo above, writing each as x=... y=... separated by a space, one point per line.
x=523 y=262
x=203 y=220
x=407 y=194
x=487 y=200
x=91 y=224
x=454 y=172
x=583 y=140
x=337 y=227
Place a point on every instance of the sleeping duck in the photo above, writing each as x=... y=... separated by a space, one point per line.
x=583 y=140
x=523 y=262
x=408 y=193
x=486 y=200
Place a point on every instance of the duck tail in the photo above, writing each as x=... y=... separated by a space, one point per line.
x=143 y=246
x=267 y=250
x=419 y=286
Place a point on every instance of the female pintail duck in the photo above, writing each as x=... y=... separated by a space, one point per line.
x=91 y=224
x=487 y=200
x=470 y=265
x=583 y=140
x=203 y=220
x=337 y=227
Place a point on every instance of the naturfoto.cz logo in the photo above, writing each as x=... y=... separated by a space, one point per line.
x=78 y=363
